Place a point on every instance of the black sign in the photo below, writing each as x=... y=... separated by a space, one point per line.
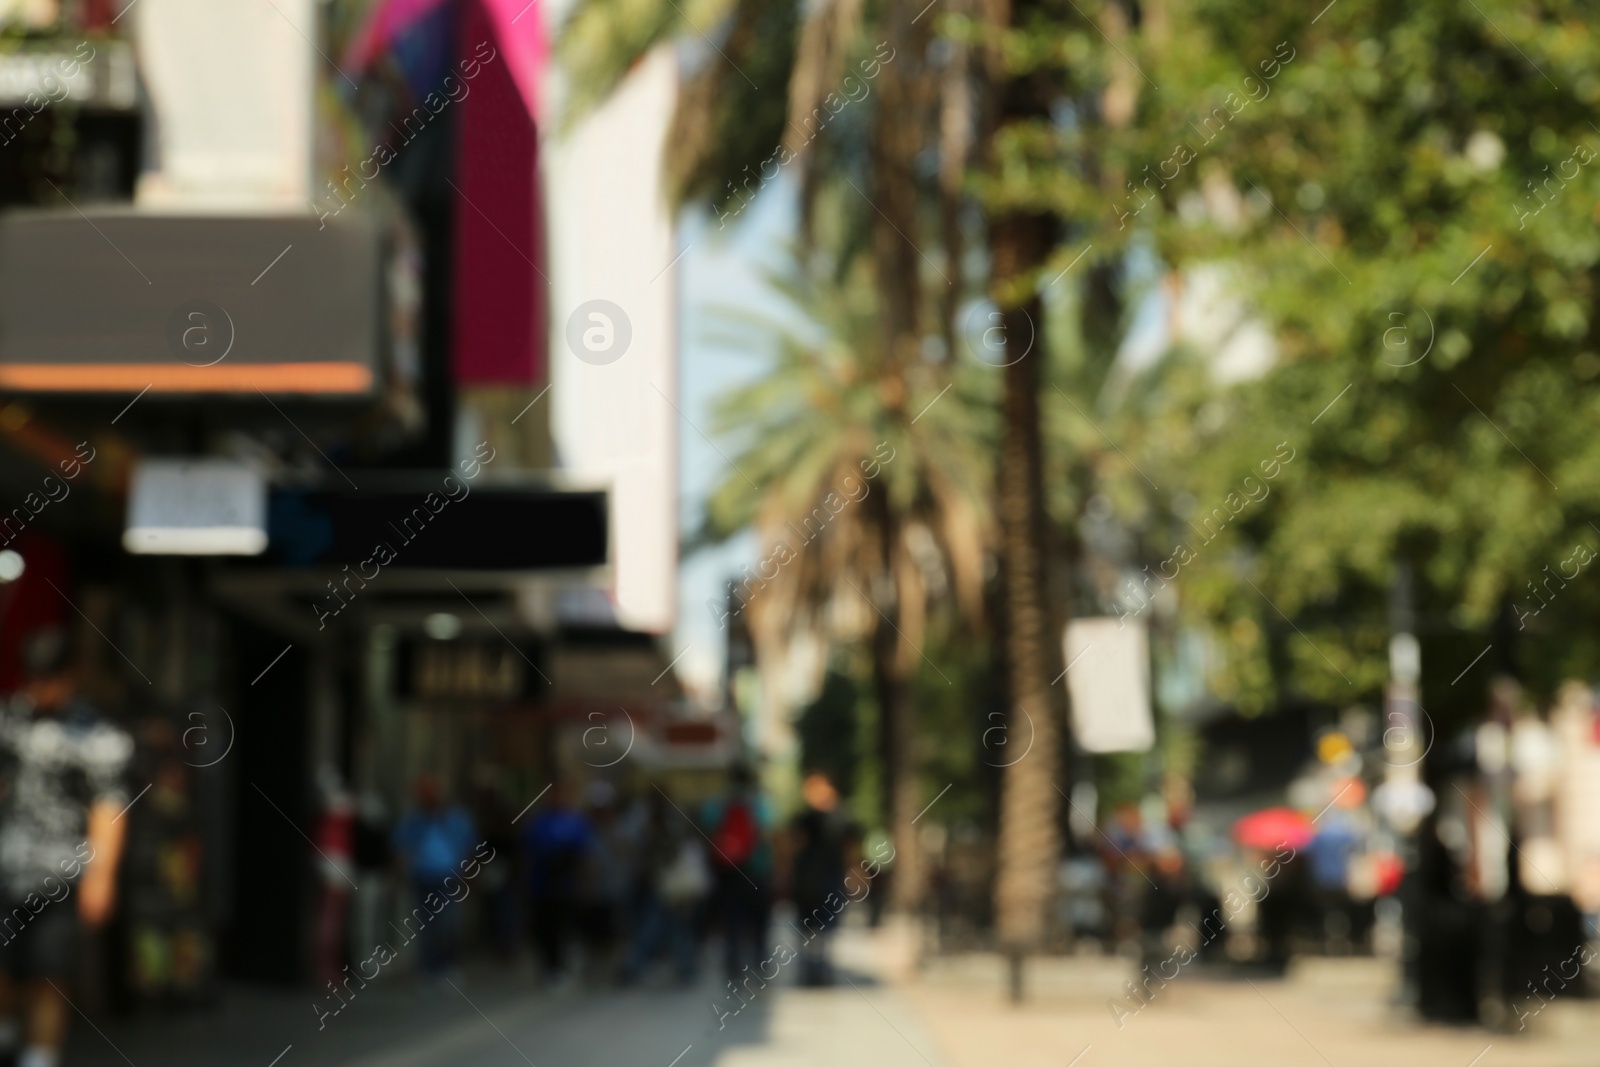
x=442 y=522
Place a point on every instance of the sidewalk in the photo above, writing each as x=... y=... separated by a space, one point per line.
x=501 y=1018
x=1327 y=1012
x=1333 y=1012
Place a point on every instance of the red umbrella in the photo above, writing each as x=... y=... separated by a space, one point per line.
x=1272 y=828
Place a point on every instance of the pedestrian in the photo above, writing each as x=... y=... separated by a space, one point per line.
x=433 y=840
x=497 y=882
x=1328 y=857
x=739 y=826
x=672 y=883
x=1159 y=902
x=1126 y=862
x=334 y=834
x=555 y=844
x=820 y=837
x=1278 y=910
x=61 y=834
x=607 y=875
x=373 y=855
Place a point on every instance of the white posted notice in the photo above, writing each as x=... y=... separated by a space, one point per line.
x=1108 y=679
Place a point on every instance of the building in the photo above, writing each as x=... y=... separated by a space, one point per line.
x=277 y=330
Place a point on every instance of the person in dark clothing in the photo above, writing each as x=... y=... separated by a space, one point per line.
x=672 y=880
x=373 y=854
x=738 y=825
x=821 y=837
x=604 y=882
x=498 y=882
x=1158 y=905
x=1277 y=910
x=556 y=844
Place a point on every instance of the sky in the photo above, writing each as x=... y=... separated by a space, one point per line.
x=724 y=267
x=721 y=267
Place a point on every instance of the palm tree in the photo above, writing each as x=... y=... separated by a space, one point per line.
x=731 y=123
x=723 y=128
x=1027 y=219
x=1029 y=842
x=1020 y=242
x=842 y=485
x=1024 y=231
x=767 y=96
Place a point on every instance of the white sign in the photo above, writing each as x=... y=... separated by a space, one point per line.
x=203 y=507
x=1108 y=679
x=232 y=89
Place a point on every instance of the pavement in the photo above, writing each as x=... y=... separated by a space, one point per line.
x=1323 y=1013
x=501 y=1017
x=1336 y=1013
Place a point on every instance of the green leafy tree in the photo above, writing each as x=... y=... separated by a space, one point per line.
x=1403 y=199
x=1408 y=202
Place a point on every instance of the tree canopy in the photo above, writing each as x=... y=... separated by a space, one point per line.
x=1405 y=200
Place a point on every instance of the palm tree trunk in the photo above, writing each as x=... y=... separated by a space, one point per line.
x=897 y=138
x=1019 y=244
x=896 y=722
x=896 y=727
x=1029 y=838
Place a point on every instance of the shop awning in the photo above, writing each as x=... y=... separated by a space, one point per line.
x=415 y=540
x=421 y=521
x=114 y=302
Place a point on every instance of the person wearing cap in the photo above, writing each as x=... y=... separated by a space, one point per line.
x=62 y=798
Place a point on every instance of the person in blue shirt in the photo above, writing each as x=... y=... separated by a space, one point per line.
x=432 y=841
x=1328 y=857
x=556 y=843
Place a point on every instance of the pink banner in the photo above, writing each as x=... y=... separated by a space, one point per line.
x=501 y=294
x=519 y=27
x=518 y=34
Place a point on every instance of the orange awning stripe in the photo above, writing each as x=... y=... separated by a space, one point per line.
x=179 y=378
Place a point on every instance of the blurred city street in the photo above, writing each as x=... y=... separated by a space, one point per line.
x=799 y=533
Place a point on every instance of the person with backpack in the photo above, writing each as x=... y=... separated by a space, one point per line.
x=738 y=826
